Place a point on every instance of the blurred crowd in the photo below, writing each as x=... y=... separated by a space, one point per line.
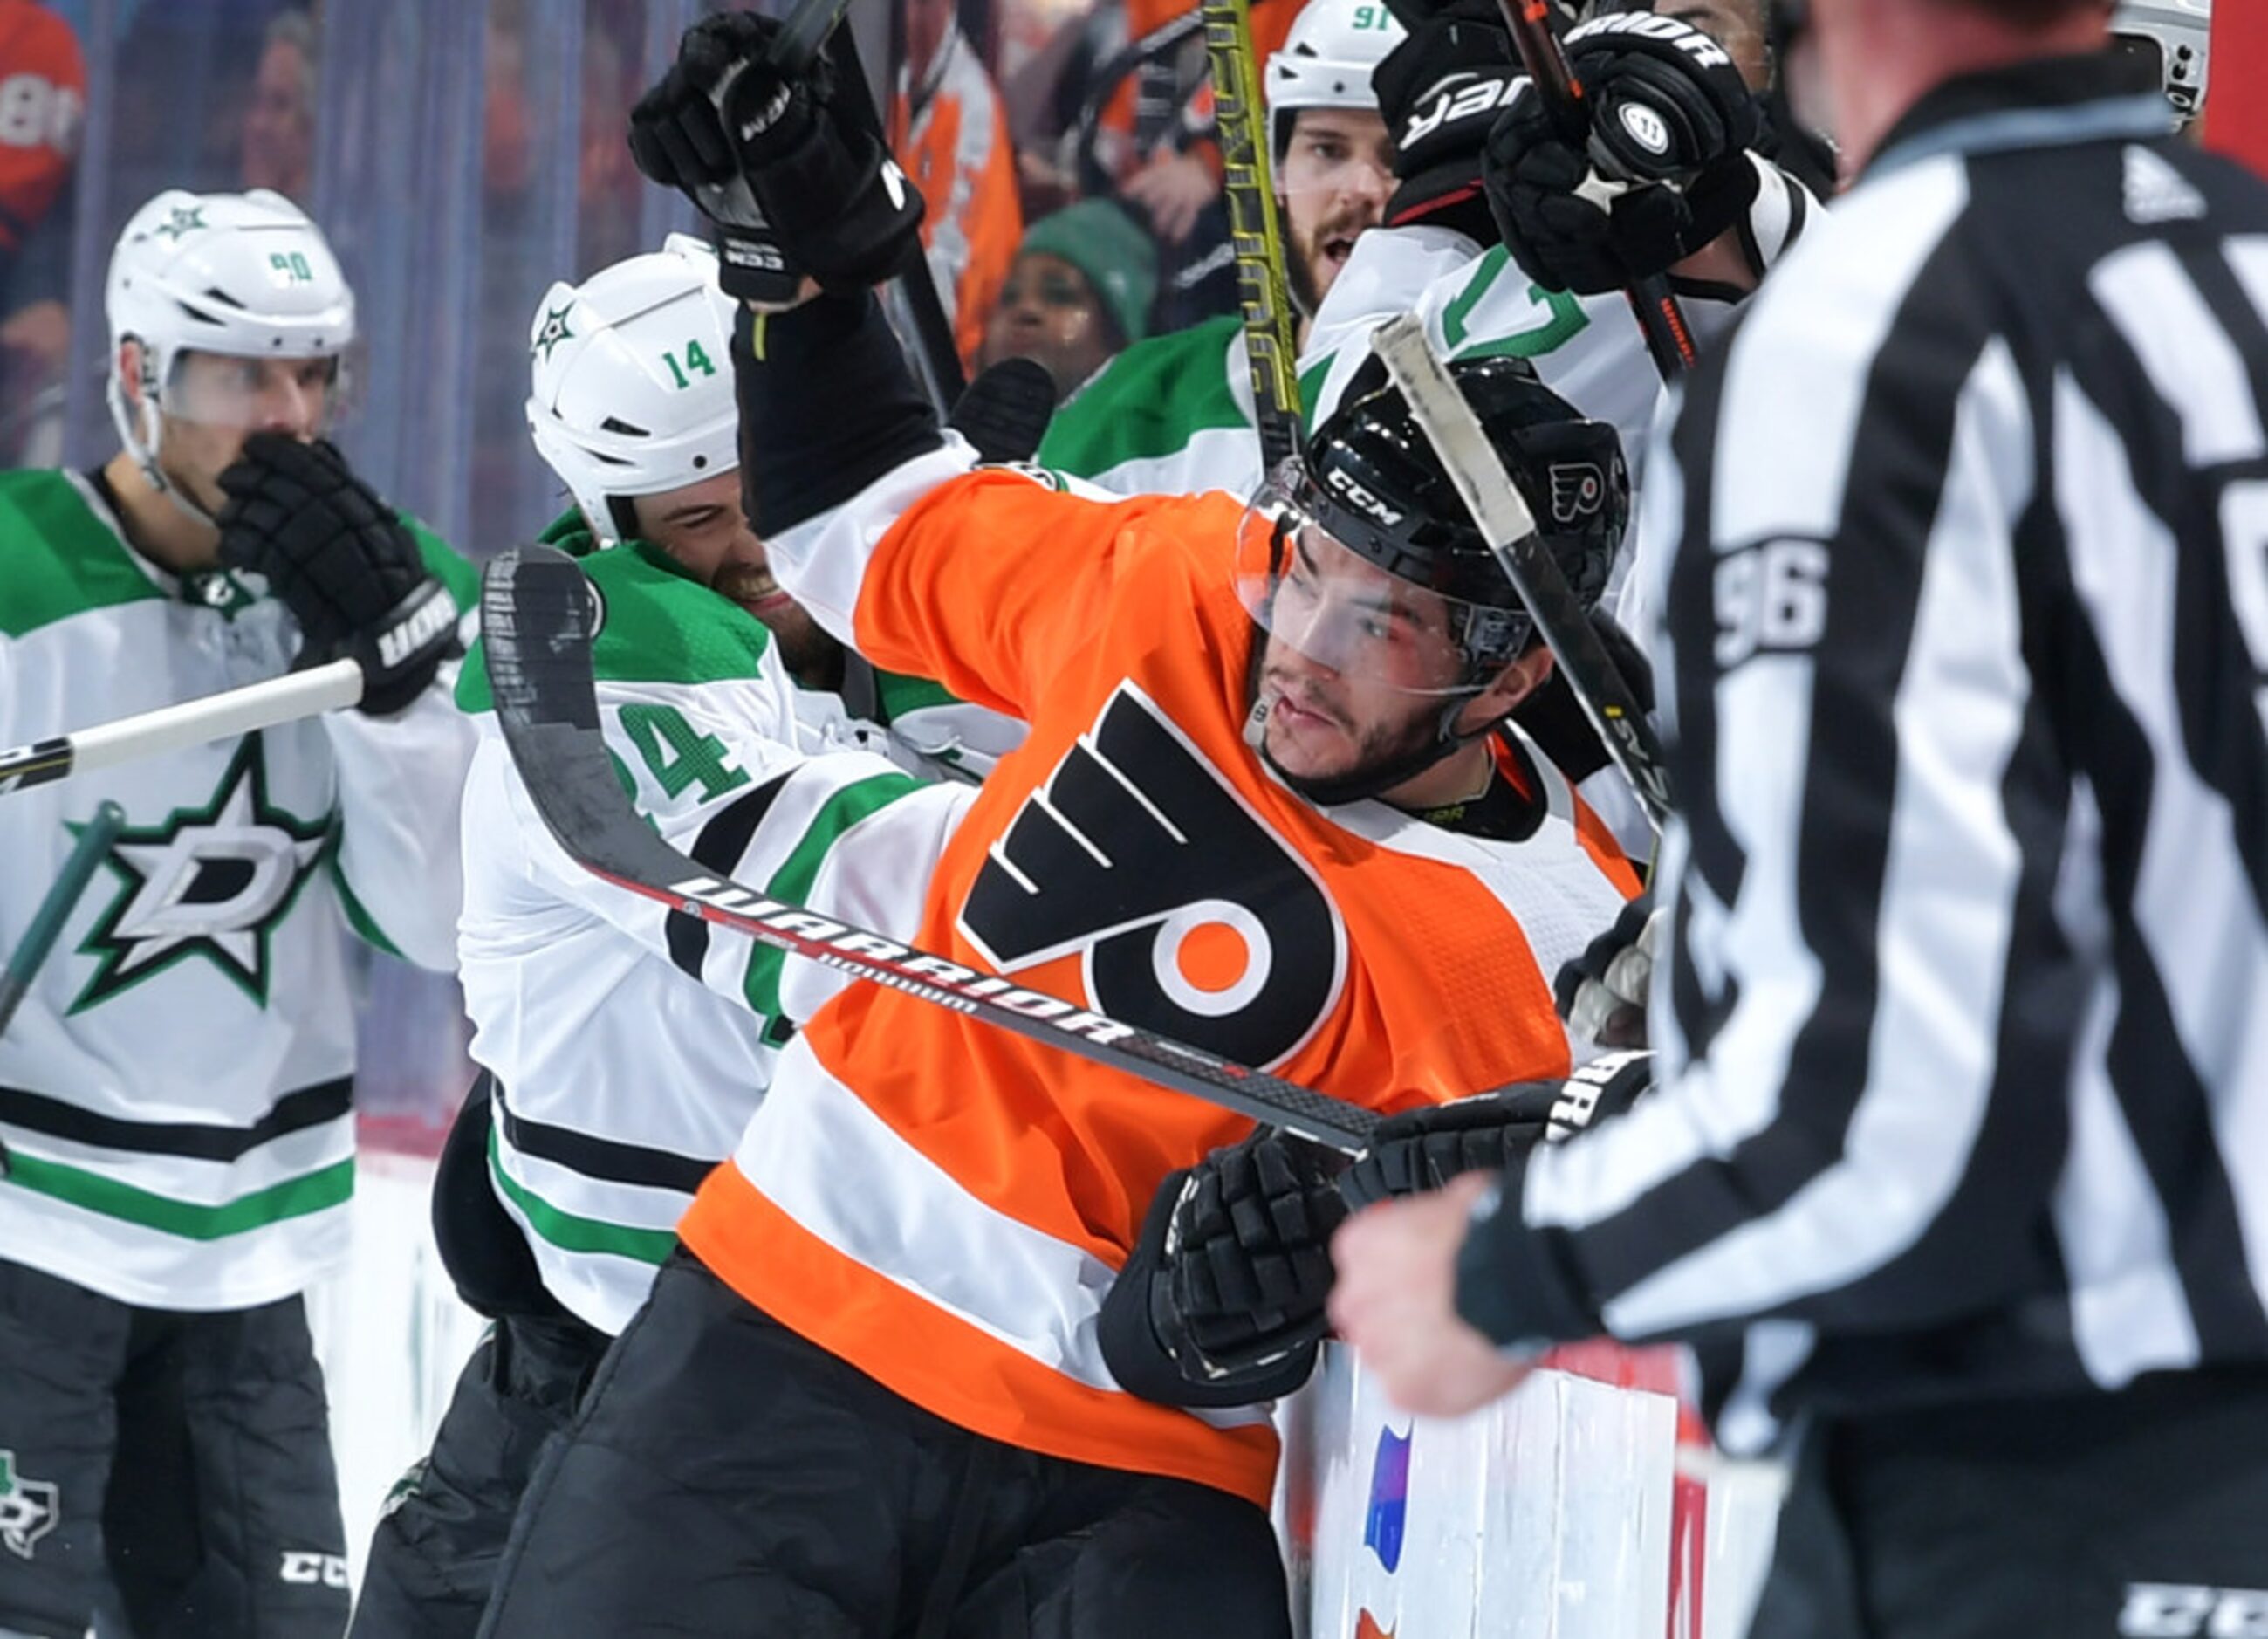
x=1064 y=149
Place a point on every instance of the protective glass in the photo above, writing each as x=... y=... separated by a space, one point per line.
x=248 y=394
x=1309 y=590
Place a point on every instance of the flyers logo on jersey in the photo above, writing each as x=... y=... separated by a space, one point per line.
x=1190 y=916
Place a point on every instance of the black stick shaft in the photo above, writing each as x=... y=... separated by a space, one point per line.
x=1668 y=339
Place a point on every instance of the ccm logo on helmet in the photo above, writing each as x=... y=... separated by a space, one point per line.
x=1684 y=36
x=1360 y=496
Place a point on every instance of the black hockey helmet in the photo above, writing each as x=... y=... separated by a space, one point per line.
x=1370 y=480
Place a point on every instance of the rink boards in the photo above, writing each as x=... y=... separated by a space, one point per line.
x=1562 y=1513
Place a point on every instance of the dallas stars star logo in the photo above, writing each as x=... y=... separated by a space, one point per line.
x=553 y=330
x=214 y=881
x=28 y=1508
x=186 y=219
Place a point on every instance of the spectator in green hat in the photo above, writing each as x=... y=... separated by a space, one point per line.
x=1078 y=291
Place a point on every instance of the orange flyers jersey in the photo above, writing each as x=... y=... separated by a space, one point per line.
x=952 y=140
x=944 y=1204
x=43 y=96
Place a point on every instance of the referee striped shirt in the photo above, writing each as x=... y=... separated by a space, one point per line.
x=1962 y=547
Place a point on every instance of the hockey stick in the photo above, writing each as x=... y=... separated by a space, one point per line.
x=1668 y=339
x=1270 y=349
x=1084 y=131
x=193 y=722
x=1510 y=530
x=535 y=620
x=937 y=358
x=94 y=840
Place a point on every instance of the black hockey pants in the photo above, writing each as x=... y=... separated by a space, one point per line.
x=183 y=1460
x=725 y=1476
x=2141 y=1515
x=433 y=1557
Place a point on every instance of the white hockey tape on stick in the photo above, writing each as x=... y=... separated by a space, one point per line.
x=193 y=722
x=1510 y=531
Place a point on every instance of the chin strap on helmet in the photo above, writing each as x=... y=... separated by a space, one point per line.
x=141 y=431
x=1360 y=783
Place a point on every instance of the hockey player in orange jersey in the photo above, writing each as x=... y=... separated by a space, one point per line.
x=1267 y=806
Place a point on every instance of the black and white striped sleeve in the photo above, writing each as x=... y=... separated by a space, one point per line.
x=1852 y=732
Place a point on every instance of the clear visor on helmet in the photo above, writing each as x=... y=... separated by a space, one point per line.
x=1311 y=592
x=304 y=396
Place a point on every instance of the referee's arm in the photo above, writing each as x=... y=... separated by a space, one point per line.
x=1848 y=1100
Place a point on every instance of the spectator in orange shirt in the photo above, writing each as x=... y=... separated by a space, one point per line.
x=950 y=134
x=44 y=78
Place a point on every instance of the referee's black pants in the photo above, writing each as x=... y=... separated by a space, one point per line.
x=2141 y=1515
x=726 y=1476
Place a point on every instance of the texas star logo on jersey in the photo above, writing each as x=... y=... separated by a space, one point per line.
x=1190 y=916
x=28 y=1508
x=212 y=882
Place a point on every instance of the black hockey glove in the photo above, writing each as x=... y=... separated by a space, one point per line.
x=1222 y=1302
x=1602 y=993
x=341 y=561
x=1422 y=1149
x=794 y=180
x=1005 y=410
x=1439 y=91
x=1665 y=172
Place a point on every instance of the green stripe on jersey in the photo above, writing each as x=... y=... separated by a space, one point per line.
x=571 y=1233
x=1148 y=402
x=793 y=880
x=61 y=558
x=293 y=1198
x=659 y=625
x=444 y=564
x=896 y=694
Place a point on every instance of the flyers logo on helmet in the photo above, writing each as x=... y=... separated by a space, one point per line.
x=1579 y=489
x=1189 y=915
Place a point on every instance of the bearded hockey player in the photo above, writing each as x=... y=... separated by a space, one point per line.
x=177 y=1095
x=614 y=1082
x=1173 y=415
x=1499 y=239
x=1262 y=808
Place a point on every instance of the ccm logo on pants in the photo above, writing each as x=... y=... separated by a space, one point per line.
x=302 y=1565
x=2164 y=1610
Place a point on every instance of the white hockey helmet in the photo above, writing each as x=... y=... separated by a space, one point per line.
x=632 y=380
x=2179 y=34
x=244 y=275
x=1326 y=62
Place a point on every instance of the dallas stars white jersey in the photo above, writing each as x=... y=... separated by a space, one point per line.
x=174 y=1092
x=622 y=1084
x=1173 y=415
